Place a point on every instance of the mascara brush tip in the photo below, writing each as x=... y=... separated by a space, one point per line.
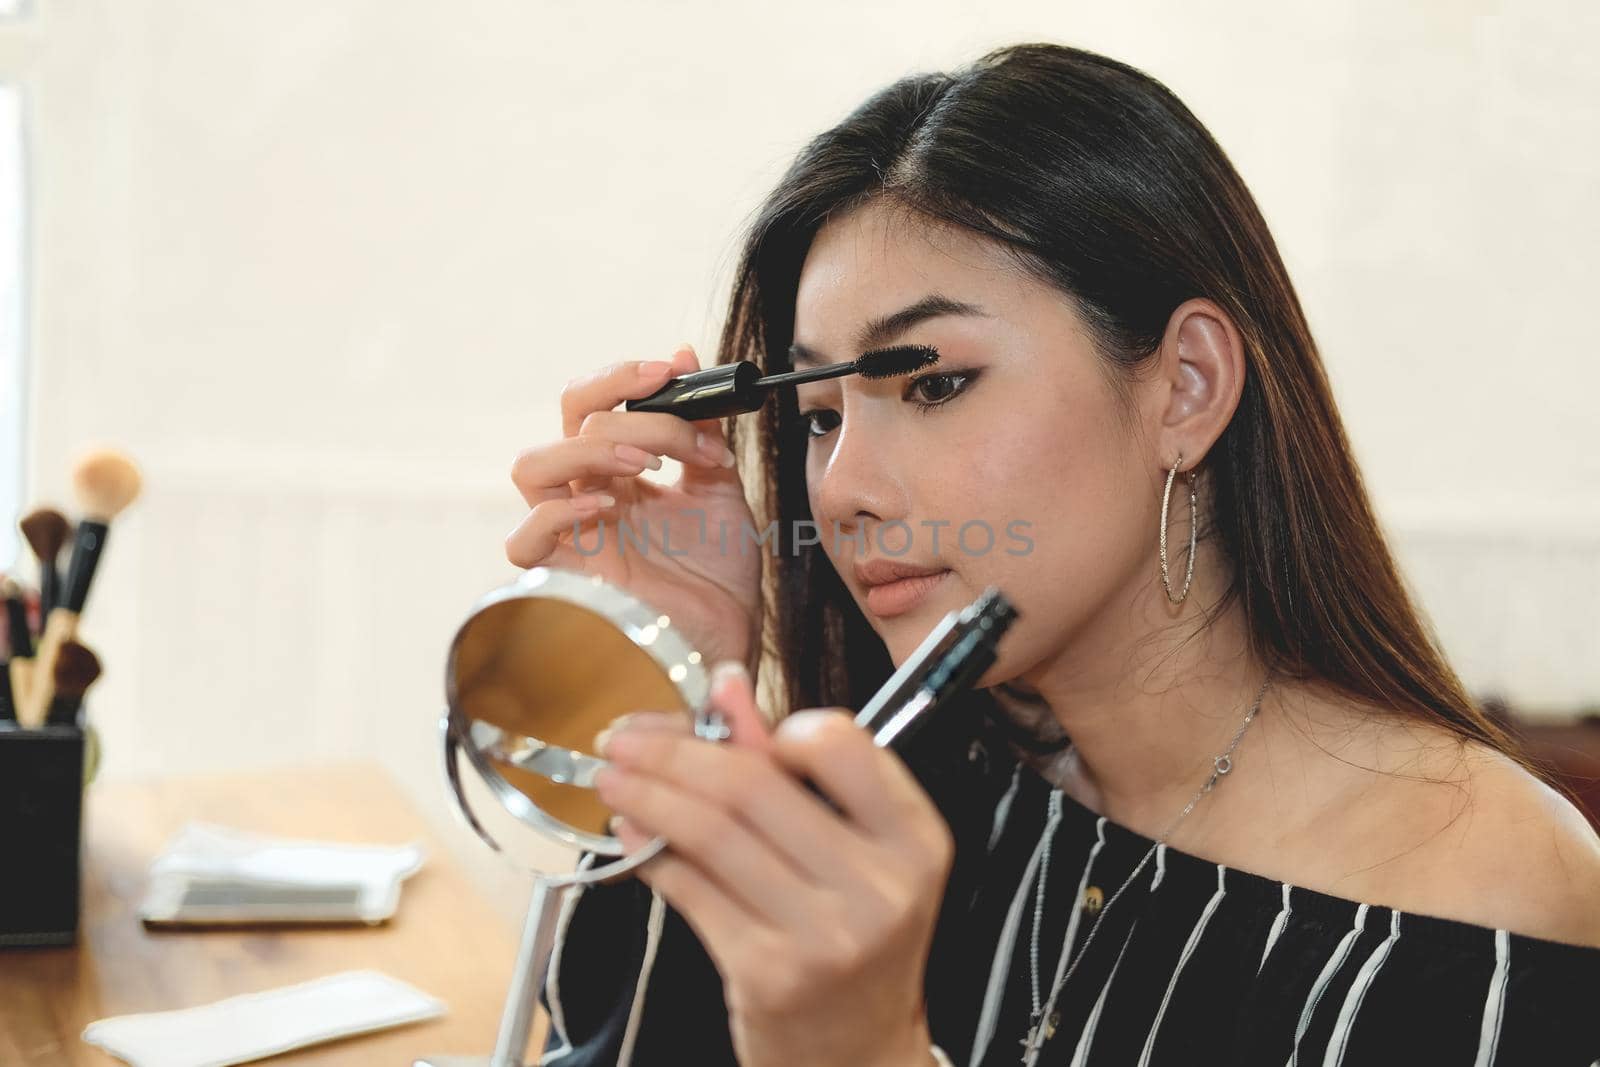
x=893 y=362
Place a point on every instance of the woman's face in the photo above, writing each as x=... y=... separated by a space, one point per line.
x=1004 y=463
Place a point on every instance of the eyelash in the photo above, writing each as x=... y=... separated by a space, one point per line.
x=923 y=406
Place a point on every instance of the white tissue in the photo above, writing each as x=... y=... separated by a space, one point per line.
x=220 y=852
x=256 y=1025
x=202 y=852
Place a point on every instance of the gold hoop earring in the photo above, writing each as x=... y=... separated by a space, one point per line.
x=1166 y=497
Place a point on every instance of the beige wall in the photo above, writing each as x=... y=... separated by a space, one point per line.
x=323 y=267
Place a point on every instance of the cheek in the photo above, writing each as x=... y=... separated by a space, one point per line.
x=1068 y=474
x=1054 y=463
x=816 y=467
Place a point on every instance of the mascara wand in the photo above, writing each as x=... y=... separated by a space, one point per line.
x=736 y=388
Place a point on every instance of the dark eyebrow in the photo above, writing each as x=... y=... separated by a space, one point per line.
x=880 y=332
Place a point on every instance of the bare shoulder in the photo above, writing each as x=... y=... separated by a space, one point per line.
x=1481 y=839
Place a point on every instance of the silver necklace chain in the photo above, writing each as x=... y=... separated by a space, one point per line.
x=1052 y=821
x=1044 y=1018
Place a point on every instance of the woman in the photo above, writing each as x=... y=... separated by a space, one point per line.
x=1220 y=800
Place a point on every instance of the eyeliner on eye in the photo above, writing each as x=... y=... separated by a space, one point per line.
x=965 y=378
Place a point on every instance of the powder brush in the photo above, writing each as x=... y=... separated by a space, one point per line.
x=45 y=530
x=105 y=482
x=76 y=669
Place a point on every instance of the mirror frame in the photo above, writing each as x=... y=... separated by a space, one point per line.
x=647 y=628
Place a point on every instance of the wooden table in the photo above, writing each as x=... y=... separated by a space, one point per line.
x=445 y=939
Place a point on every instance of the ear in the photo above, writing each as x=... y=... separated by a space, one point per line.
x=1199 y=382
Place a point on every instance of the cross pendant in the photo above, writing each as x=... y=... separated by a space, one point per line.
x=1049 y=1025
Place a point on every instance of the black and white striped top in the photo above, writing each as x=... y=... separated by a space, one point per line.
x=1197 y=963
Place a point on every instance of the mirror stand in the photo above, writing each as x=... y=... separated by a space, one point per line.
x=527 y=979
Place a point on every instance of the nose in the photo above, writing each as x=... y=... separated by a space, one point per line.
x=862 y=479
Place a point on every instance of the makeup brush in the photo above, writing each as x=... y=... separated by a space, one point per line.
x=46 y=531
x=105 y=481
x=19 y=674
x=18 y=633
x=8 y=703
x=8 y=699
x=735 y=388
x=76 y=670
x=19 y=648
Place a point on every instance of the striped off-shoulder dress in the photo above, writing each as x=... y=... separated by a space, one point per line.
x=1196 y=964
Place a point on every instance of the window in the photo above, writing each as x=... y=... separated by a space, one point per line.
x=13 y=311
x=13 y=284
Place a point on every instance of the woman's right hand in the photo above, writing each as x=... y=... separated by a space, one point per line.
x=699 y=563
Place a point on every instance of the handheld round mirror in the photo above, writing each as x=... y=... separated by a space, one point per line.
x=537 y=670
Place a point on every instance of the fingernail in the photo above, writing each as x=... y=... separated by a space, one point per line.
x=729 y=668
x=593 y=501
x=638 y=457
x=612 y=824
x=713 y=450
x=803 y=725
x=654 y=369
x=602 y=740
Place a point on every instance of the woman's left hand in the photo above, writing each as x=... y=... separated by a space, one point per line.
x=819 y=920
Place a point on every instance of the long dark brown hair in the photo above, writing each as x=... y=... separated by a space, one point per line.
x=1101 y=183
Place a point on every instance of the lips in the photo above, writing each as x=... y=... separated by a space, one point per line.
x=883 y=571
x=894 y=588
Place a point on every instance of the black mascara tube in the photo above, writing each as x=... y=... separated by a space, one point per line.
x=712 y=393
x=952 y=657
x=955 y=654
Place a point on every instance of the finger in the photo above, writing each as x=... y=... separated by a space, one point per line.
x=604 y=390
x=535 y=538
x=730 y=692
x=814 y=839
x=545 y=473
x=668 y=721
x=610 y=386
x=710 y=837
x=709 y=432
x=870 y=784
x=659 y=434
x=733 y=694
x=718 y=919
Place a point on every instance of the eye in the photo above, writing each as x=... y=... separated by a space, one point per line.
x=808 y=421
x=935 y=389
x=949 y=385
